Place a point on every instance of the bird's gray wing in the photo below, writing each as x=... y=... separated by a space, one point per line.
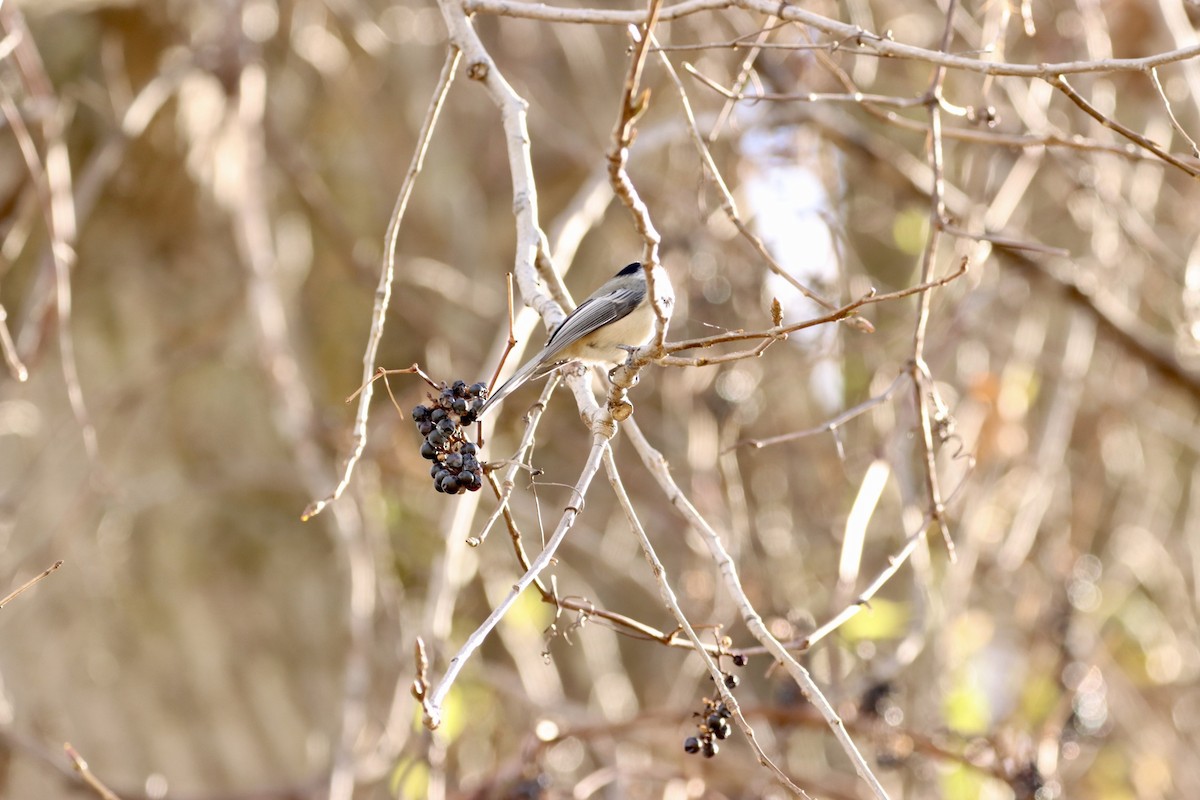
x=592 y=314
x=589 y=315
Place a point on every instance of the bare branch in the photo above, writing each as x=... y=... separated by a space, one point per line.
x=383 y=293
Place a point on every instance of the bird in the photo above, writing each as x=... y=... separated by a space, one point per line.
x=617 y=316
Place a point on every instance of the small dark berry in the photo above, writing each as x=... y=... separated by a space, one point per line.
x=467 y=449
x=478 y=389
x=458 y=387
x=723 y=711
x=425 y=427
x=434 y=470
x=691 y=745
x=454 y=461
x=731 y=681
x=459 y=405
x=723 y=730
x=420 y=413
x=713 y=722
x=739 y=660
x=711 y=749
x=446 y=426
x=427 y=450
x=437 y=414
x=475 y=487
x=466 y=479
x=467 y=419
x=435 y=439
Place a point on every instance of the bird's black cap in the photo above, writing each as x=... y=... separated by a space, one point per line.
x=632 y=268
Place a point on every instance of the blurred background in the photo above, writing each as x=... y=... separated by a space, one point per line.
x=193 y=197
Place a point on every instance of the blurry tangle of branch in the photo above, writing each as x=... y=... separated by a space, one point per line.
x=729 y=205
x=865 y=42
x=656 y=463
x=52 y=181
x=871 y=103
x=669 y=599
x=868 y=43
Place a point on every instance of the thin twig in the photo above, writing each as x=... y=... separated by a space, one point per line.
x=778 y=332
x=517 y=461
x=805 y=97
x=16 y=367
x=383 y=373
x=512 y=337
x=1171 y=112
x=830 y=426
x=383 y=292
x=29 y=583
x=94 y=783
x=937 y=220
x=634 y=102
x=1060 y=83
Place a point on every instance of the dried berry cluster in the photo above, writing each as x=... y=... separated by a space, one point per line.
x=714 y=718
x=455 y=466
x=714 y=725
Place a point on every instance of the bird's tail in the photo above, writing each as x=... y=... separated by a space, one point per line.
x=518 y=379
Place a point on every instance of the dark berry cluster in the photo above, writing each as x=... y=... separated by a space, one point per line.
x=714 y=725
x=455 y=466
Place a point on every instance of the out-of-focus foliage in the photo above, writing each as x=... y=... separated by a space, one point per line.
x=233 y=167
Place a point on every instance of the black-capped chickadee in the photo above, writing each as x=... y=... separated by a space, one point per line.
x=617 y=314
